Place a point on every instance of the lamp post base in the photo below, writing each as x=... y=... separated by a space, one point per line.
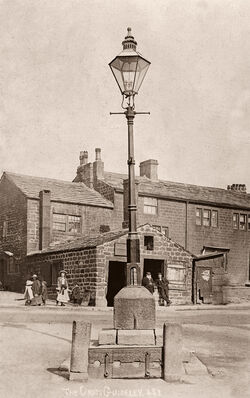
x=134 y=308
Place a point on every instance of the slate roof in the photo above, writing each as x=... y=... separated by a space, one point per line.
x=181 y=191
x=61 y=191
x=83 y=242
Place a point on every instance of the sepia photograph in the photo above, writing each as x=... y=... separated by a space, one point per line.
x=125 y=198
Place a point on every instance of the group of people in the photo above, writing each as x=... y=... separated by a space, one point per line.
x=36 y=292
x=161 y=284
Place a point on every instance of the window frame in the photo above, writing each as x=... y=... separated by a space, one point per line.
x=206 y=218
x=198 y=217
x=235 y=226
x=245 y=224
x=150 y=205
x=217 y=216
x=66 y=223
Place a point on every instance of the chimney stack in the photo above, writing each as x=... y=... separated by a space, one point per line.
x=85 y=170
x=98 y=166
x=83 y=157
x=237 y=188
x=149 y=169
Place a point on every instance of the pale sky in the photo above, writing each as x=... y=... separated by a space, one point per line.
x=57 y=89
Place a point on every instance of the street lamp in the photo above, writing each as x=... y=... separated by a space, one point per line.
x=129 y=69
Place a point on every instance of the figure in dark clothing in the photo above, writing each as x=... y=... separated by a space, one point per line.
x=148 y=282
x=76 y=295
x=44 y=291
x=162 y=286
x=36 y=289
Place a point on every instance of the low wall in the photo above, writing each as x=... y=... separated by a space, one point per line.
x=235 y=294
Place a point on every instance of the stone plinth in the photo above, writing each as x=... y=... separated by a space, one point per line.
x=135 y=337
x=134 y=308
x=107 y=336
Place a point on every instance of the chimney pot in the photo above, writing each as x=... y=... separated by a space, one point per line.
x=83 y=157
x=237 y=188
x=98 y=154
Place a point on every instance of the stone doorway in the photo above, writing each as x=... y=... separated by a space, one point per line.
x=116 y=280
x=154 y=266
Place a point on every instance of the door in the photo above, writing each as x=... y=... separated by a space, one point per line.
x=2 y=272
x=204 y=284
x=153 y=266
x=116 y=280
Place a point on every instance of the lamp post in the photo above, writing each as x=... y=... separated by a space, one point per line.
x=129 y=69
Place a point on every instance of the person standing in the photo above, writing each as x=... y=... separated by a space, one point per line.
x=36 y=289
x=162 y=286
x=148 y=282
x=62 y=289
x=28 y=293
x=44 y=291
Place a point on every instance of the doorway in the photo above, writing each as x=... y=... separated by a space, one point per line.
x=204 y=285
x=153 y=266
x=116 y=280
x=2 y=272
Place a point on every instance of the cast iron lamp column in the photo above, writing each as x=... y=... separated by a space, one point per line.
x=129 y=69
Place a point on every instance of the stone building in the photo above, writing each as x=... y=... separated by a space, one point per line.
x=97 y=264
x=36 y=212
x=211 y=223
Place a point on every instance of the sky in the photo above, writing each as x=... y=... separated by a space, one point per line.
x=56 y=88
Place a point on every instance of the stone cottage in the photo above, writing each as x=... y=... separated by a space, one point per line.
x=97 y=263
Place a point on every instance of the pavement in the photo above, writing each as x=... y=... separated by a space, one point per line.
x=34 y=341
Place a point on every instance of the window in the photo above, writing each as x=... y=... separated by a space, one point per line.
x=5 y=229
x=74 y=224
x=165 y=231
x=235 y=221
x=214 y=219
x=176 y=273
x=198 y=216
x=150 y=205
x=243 y=221
x=248 y=222
x=66 y=223
x=206 y=218
x=149 y=242
x=158 y=227
x=59 y=222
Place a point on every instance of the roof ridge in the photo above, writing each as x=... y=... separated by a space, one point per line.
x=43 y=178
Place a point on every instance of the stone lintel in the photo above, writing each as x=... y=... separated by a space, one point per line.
x=107 y=336
x=135 y=337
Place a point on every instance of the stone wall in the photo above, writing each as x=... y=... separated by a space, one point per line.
x=13 y=211
x=91 y=220
x=236 y=294
x=89 y=267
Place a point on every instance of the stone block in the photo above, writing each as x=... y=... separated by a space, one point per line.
x=159 y=336
x=107 y=336
x=79 y=350
x=172 y=352
x=134 y=308
x=135 y=337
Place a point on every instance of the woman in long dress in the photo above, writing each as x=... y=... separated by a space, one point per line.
x=62 y=289
x=36 y=289
x=28 y=293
